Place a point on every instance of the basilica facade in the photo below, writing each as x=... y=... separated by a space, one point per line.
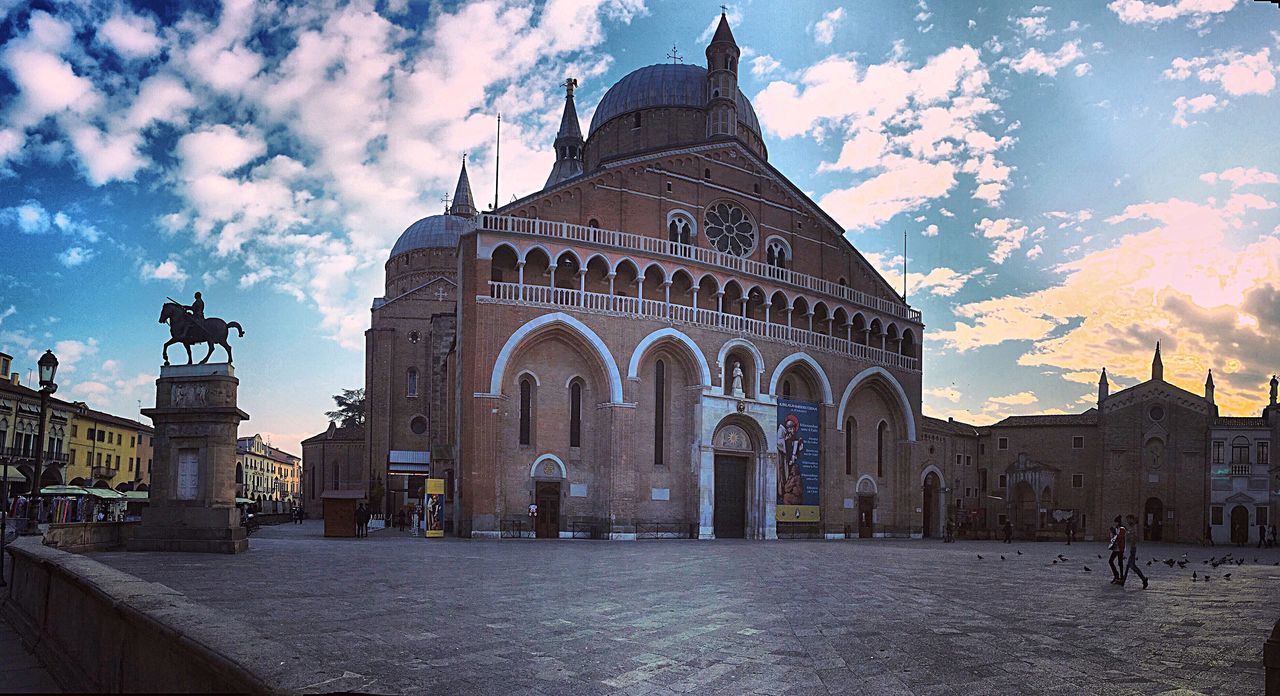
x=670 y=338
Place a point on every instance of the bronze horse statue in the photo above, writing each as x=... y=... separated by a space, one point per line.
x=183 y=329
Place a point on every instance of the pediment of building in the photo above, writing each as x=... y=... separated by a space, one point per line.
x=1153 y=391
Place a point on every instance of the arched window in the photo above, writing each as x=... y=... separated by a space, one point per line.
x=679 y=230
x=777 y=253
x=659 y=409
x=575 y=413
x=411 y=383
x=636 y=123
x=706 y=173
x=786 y=389
x=850 y=447
x=880 y=431
x=526 y=407
x=593 y=223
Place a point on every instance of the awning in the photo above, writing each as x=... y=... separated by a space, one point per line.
x=64 y=490
x=136 y=496
x=11 y=474
x=104 y=493
x=409 y=463
x=245 y=501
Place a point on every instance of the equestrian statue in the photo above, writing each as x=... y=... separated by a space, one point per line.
x=188 y=326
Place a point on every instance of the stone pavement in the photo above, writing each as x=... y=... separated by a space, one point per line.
x=408 y=615
x=20 y=671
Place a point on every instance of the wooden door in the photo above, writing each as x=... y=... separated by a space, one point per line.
x=730 y=505
x=866 y=504
x=547 y=526
x=1239 y=525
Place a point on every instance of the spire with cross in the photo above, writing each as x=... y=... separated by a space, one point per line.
x=674 y=55
x=445 y=199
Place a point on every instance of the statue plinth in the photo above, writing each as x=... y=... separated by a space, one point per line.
x=192 y=503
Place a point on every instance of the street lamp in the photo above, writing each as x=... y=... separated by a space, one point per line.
x=48 y=370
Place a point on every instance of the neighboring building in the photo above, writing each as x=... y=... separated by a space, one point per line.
x=267 y=475
x=618 y=347
x=20 y=431
x=1241 y=495
x=335 y=461
x=107 y=451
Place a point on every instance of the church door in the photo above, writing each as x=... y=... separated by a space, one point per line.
x=1153 y=520
x=866 y=506
x=1239 y=525
x=547 y=526
x=930 y=505
x=730 y=506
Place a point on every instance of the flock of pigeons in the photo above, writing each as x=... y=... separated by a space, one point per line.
x=1227 y=560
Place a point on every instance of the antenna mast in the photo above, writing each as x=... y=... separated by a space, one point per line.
x=904 y=265
x=497 y=162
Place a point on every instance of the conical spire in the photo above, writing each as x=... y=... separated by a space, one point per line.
x=463 y=204
x=568 y=143
x=1157 y=367
x=1104 y=387
x=722 y=31
x=1208 y=387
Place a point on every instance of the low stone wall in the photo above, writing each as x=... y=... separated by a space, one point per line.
x=274 y=517
x=98 y=629
x=83 y=537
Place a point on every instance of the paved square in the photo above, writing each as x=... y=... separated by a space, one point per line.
x=407 y=615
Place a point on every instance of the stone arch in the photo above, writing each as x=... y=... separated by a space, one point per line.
x=755 y=357
x=727 y=441
x=879 y=373
x=557 y=319
x=806 y=359
x=867 y=484
x=535 y=468
x=669 y=335
x=531 y=375
x=932 y=469
x=689 y=218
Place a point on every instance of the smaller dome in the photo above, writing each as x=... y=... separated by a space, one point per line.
x=435 y=232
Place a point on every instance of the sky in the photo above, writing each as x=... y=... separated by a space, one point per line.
x=1074 y=181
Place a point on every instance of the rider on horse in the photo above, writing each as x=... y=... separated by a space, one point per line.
x=195 y=332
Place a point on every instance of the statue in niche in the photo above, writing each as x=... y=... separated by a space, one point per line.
x=737 y=381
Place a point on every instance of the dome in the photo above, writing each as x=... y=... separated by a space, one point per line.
x=435 y=232
x=665 y=84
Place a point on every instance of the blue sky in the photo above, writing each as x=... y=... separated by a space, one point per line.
x=1076 y=180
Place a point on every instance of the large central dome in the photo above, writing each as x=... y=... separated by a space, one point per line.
x=664 y=85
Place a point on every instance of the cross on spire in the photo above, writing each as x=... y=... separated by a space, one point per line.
x=723 y=9
x=674 y=55
x=445 y=200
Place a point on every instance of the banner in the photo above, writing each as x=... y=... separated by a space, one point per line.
x=435 y=508
x=798 y=457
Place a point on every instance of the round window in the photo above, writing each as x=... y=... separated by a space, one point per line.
x=418 y=425
x=1157 y=412
x=729 y=229
x=414 y=337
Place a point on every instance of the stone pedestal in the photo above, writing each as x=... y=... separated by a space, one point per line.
x=193 y=473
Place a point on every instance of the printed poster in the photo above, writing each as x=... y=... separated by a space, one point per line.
x=435 y=508
x=798 y=456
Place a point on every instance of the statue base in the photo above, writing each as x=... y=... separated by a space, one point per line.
x=193 y=485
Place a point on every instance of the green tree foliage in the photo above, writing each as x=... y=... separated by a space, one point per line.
x=350 y=409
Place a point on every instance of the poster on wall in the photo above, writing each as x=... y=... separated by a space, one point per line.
x=435 y=508
x=798 y=461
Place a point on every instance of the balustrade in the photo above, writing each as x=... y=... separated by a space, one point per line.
x=657 y=246
x=544 y=296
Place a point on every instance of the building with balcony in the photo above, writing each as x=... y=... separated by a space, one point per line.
x=1244 y=489
x=20 y=431
x=268 y=475
x=670 y=338
x=108 y=451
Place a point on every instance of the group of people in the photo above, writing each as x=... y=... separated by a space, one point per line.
x=1125 y=538
x=363 y=515
x=1264 y=539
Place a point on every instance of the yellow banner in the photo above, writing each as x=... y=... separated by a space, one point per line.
x=435 y=486
x=434 y=515
x=798 y=513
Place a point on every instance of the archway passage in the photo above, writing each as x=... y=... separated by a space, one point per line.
x=730 y=506
x=866 y=515
x=930 y=507
x=1239 y=525
x=1025 y=514
x=547 y=496
x=1153 y=520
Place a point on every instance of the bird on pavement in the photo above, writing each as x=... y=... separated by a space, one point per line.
x=1087 y=569
x=1193 y=576
x=1002 y=557
x=1099 y=555
x=1020 y=553
x=979 y=557
x=1227 y=576
x=1055 y=561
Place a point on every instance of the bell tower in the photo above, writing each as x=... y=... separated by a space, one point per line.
x=722 y=82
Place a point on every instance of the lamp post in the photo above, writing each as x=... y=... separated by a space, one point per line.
x=48 y=364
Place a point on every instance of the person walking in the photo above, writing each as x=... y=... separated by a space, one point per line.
x=1008 y=532
x=1262 y=535
x=1132 y=542
x=1271 y=542
x=1071 y=529
x=1208 y=535
x=1117 y=552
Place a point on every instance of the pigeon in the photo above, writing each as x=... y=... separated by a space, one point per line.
x=1227 y=576
x=1181 y=564
x=1148 y=562
x=1055 y=561
x=1002 y=557
x=1099 y=555
x=1087 y=569
x=1020 y=553
x=1193 y=576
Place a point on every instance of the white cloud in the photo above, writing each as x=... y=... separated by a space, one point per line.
x=74 y=256
x=1018 y=399
x=1035 y=61
x=29 y=216
x=1183 y=106
x=1082 y=69
x=1238 y=73
x=132 y=36
x=824 y=30
x=1034 y=27
x=1007 y=234
x=164 y=270
x=764 y=65
x=948 y=393
x=940 y=281
x=930 y=231
x=1142 y=12
x=1240 y=176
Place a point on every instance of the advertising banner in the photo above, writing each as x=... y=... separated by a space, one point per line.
x=435 y=508
x=798 y=458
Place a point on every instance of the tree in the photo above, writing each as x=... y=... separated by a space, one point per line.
x=350 y=409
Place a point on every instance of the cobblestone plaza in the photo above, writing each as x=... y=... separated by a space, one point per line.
x=396 y=614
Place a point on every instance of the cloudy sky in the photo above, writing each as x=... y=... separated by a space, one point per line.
x=1075 y=180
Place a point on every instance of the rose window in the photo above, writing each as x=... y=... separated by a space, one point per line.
x=730 y=230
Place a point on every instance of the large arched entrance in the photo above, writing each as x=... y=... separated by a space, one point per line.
x=932 y=507
x=1025 y=513
x=1153 y=520
x=740 y=490
x=1239 y=525
x=866 y=507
